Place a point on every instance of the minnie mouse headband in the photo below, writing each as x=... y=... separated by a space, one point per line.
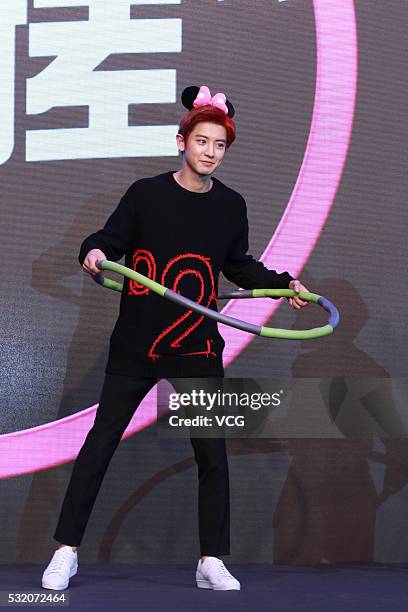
x=195 y=97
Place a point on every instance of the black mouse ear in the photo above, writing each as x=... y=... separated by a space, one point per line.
x=189 y=95
x=231 y=109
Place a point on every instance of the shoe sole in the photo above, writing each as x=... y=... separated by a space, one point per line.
x=206 y=584
x=59 y=588
x=203 y=584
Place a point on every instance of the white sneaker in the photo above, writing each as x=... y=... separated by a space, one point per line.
x=212 y=574
x=63 y=565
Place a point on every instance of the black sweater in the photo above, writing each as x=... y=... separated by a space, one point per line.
x=182 y=239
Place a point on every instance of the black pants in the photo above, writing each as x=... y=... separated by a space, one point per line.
x=120 y=397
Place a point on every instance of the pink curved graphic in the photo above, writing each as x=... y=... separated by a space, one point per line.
x=292 y=243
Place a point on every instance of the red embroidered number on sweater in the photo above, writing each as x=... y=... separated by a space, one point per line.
x=178 y=267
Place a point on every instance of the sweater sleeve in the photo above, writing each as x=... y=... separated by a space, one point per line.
x=246 y=272
x=117 y=235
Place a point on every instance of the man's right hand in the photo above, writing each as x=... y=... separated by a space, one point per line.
x=90 y=260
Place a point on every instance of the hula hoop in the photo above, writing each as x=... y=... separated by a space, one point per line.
x=259 y=330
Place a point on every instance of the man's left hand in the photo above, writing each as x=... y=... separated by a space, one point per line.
x=296 y=302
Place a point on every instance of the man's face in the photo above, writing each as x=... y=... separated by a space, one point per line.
x=206 y=143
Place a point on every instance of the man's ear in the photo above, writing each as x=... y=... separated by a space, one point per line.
x=180 y=142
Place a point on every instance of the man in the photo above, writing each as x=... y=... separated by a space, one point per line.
x=180 y=228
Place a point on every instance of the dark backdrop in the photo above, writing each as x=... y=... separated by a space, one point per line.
x=295 y=499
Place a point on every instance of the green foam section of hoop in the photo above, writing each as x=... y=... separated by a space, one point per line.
x=304 y=295
x=296 y=334
x=111 y=284
x=133 y=275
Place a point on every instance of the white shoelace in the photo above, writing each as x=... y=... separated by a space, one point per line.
x=58 y=561
x=223 y=569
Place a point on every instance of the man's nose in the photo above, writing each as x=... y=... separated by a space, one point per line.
x=210 y=150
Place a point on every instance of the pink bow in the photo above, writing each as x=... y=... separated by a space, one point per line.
x=204 y=97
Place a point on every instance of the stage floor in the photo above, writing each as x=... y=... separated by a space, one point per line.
x=325 y=587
